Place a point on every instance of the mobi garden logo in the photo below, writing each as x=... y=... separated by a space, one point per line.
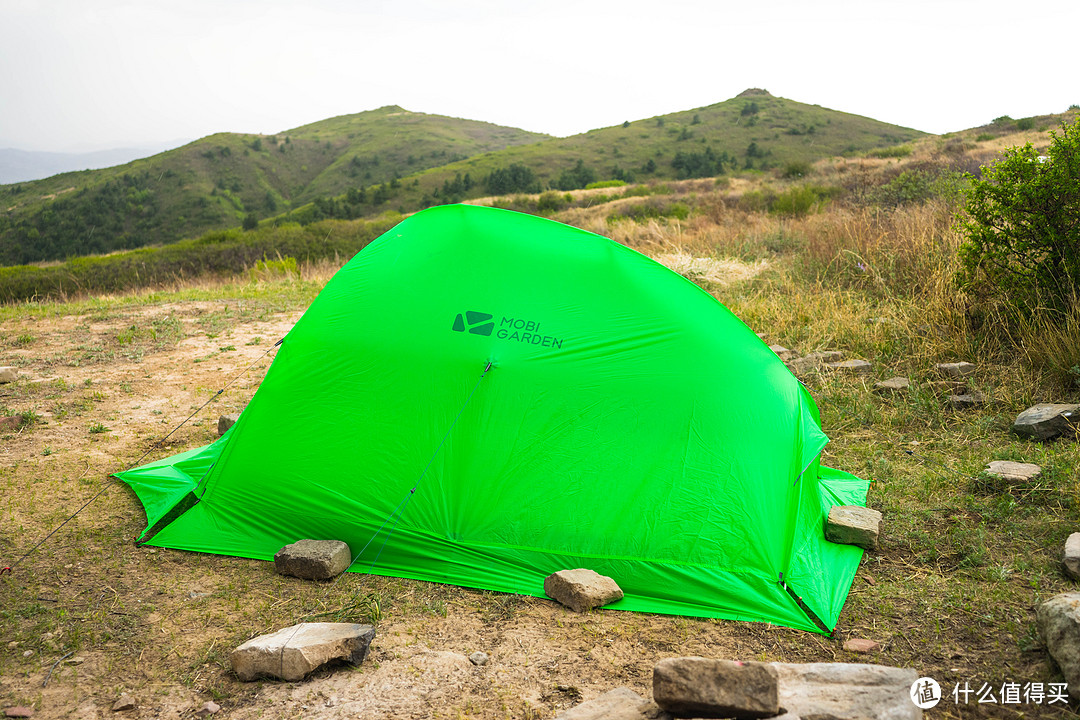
x=515 y=329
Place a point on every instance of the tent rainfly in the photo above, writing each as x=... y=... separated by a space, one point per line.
x=482 y=398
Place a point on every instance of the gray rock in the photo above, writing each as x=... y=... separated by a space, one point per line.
x=893 y=384
x=1059 y=625
x=8 y=375
x=846 y=691
x=782 y=352
x=955 y=369
x=702 y=687
x=293 y=652
x=581 y=589
x=1047 y=420
x=225 y=422
x=124 y=702
x=967 y=400
x=313 y=559
x=479 y=658
x=1013 y=472
x=853 y=525
x=619 y=704
x=857 y=367
x=19 y=711
x=1071 y=561
x=813 y=361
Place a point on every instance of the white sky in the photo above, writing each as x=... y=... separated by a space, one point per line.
x=79 y=75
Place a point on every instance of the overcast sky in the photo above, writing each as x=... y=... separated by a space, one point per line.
x=78 y=75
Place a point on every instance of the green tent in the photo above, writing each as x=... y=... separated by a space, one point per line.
x=482 y=398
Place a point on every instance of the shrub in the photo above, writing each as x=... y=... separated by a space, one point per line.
x=551 y=201
x=605 y=184
x=1022 y=241
x=796 y=169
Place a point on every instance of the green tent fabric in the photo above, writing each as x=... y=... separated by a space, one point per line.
x=482 y=398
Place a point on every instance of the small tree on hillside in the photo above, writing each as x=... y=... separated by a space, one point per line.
x=1022 y=226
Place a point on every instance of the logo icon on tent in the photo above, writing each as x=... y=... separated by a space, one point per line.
x=478 y=323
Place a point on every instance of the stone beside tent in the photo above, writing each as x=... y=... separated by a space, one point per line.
x=581 y=589
x=225 y=422
x=293 y=652
x=702 y=687
x=313 y=559
x=853 y=525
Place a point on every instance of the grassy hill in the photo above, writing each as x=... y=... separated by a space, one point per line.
x=752 y=131
x=218 y=181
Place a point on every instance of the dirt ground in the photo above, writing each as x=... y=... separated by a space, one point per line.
x=89 y=616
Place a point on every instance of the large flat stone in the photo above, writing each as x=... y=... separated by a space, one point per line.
x=853 y=525
x=955 y=369
x=1013 y=472
x=703 y=687
x=581 y=589
x=1047 y=420
x=1058 y=620
x=893 y=384
x=813 y=361
x=619 y=704
x=854 y=367
x=293 y=652
x=846 y=691
x=313 y=559
x=8 y=375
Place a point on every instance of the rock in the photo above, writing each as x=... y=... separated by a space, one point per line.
x=479 y=658
x=313 y=559
x=1059 y=625
x=293 y=652
x=19 y=711
x=701 y=687
x=619 y=704
x=846 y=691
x=967 y=400
x=956 y=369
x=1013 y=472
x=853 y=525
x=209 y=708
x=782 y=352
x=225 y=422
x=1071 y=561
x=857 y=367
x=8 y=375
x=1047 y=421
x=581 y=589
x=861 y=645
x=813 y=361
x=893 y=384
x=124 y=702
x=10 y=423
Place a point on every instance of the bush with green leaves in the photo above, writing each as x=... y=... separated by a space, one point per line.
x=1020 y=221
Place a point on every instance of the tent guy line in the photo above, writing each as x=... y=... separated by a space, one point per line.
x=10 y=569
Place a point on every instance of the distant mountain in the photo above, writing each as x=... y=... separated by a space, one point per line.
x=393 y=159
x=219 y=181
x=752 y=131
x=23 y=165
